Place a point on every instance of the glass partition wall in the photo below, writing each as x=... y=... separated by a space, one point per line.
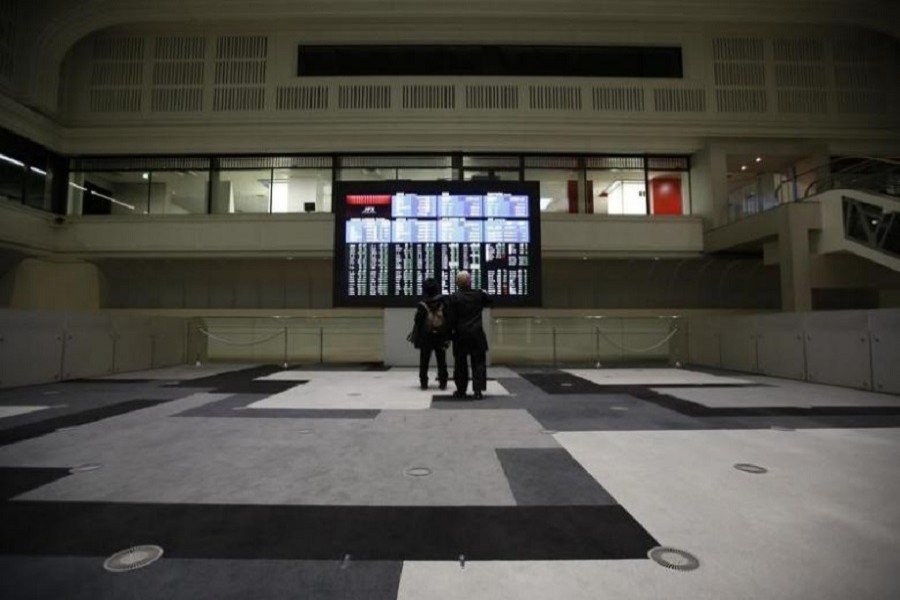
x=605 y=185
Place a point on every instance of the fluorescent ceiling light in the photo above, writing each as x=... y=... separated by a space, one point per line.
x=80 y=187
x=38 y=171
x=113 y=200
x=18 y=163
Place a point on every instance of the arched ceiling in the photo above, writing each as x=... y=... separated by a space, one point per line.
x=51 y=27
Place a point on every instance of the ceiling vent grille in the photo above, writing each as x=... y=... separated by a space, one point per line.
x=178 y=69
x=860 y=76
x=862 y=102
x=798 y=50
x=492 y=97
x=802 y=101
x=304 y=97
x=434 y=97
x=788 y=75
x=614 y=162
x=738 y=49
x=801 y=76
x=240 y=73
x=679 y=100
x=139 y=164
x=618 y=99
x=551 y=162
x=554 y=97
x=668 y=163
x=741 y=101
x=740 y=75
x=364 y=97
x=117 y=74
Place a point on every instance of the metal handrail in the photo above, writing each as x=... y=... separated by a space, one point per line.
x=867 y=160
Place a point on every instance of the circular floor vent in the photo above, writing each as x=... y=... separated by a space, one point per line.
x=672 y=558
x=133 y=558
x=749 y=468
x=418 y=472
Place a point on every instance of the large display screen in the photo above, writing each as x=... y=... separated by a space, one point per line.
x=392 y=236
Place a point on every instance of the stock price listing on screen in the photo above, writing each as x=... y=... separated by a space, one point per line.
x=392 y=236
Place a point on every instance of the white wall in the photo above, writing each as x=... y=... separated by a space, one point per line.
x=858 y=349
x=46 y=346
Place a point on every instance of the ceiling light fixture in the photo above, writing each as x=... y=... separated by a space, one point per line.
x=8 y=159
x=743 y=167
x=759 y=159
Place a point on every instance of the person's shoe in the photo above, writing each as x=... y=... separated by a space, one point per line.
x=423 y=386
x=478 y=396
x=458 y=394
x=443 y=385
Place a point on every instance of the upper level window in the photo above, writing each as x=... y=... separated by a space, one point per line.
x=487 y=60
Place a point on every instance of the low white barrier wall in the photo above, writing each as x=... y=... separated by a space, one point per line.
x=854 y=348
x=44 y=346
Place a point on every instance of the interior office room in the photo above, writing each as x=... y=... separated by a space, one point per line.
x=217 y=220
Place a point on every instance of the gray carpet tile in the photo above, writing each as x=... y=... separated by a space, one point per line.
x=83 y=578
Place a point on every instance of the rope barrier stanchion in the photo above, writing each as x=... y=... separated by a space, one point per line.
x=624 y=349
x=234 y=343
x=554 y=346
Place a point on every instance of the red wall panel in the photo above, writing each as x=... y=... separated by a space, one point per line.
x=665 y=193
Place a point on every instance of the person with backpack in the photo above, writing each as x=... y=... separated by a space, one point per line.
x=431 y=333
x=469 y=340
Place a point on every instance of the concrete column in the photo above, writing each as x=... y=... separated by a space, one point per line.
x=709 y=186
x=793 y=260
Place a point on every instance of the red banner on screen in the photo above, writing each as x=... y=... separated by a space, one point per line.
x=368 y=199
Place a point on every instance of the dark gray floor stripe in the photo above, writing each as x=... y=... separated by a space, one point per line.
x=18 y=480
x=236 y=406
x=242 y=381
x=325 y=532
x=39 y=428
x=82 y=578
x=548 y=477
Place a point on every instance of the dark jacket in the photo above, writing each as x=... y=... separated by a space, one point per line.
x=465 y=320
x=427 y=338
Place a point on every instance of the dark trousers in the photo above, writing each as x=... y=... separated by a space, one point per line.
x=440 y=354
x=461 y=358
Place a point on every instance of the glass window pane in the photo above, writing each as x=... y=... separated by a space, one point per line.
x=301 y=190
x=555 y=185
x=109 y=193
x=425 y=174
x=368 y=174
x=11 y=173
x=178 y=192
x=490 y=161
x=669 y=192
x=503 y=175
x=38 y=188
x=618 y=191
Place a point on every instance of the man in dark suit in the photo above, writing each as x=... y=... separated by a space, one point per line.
x=469 y=339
